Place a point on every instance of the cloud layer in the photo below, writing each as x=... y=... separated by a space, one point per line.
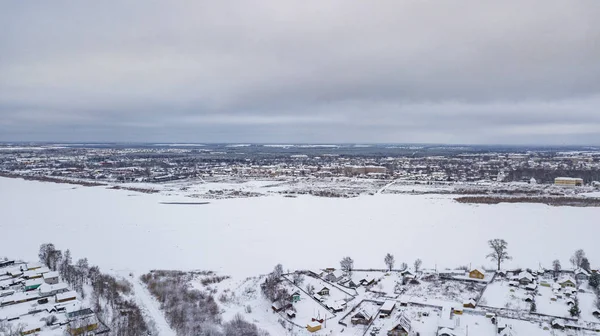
x=301 y=71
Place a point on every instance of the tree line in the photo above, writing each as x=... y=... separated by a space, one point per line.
x=109 y=294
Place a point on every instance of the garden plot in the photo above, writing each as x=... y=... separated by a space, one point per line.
x=422 y=319
x=500 y=295
x=335 y=293
x=587 y=305
x=369 y=308
x=387 y=285
x=546 y=306
x=441 y=292
x=366 y=277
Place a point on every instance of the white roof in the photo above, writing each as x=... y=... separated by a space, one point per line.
x=50 y=275
x=581 y=270
x=388 y=305
x=67 y=295
x=313 y=324
x=569 y=178
x=566 y=278
x=33 y=282
x=526 y=275
x=45 y=288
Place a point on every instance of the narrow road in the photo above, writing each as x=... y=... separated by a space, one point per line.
x=150 y=306
x=386 y=186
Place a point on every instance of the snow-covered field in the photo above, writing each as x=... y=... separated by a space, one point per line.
x=121 y=229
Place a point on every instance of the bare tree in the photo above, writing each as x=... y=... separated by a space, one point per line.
x=50 y=256
x=310 y=289
x=417 y=265
x=403 y=266
x=498 y=253
x=298 y=279
x=577 y=258
x=389 y=261
x=556 y=267
x=347 y=264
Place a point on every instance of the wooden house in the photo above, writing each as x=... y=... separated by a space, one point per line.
x=295 y=297
x=476 y=274
x=398 y=330
x=361 y=317
x=323 y=291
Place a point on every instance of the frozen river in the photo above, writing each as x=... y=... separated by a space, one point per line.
x=126 y=230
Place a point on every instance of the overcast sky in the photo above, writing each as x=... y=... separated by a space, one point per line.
x=280 y=71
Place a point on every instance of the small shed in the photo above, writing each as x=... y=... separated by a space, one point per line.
x=313 y=326
x=469 y=303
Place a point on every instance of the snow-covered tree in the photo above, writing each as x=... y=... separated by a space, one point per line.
x=389 y=261
x=498 y=253
x=594 y=281
x=574 y=311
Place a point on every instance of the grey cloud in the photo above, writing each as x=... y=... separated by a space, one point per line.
x=297 y=71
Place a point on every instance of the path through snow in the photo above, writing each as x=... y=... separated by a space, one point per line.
x=150 y=307
x=386 y=186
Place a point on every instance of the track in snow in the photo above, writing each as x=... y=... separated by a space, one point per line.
x=150 y=307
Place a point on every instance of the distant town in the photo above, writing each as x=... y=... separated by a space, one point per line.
x=172 y=162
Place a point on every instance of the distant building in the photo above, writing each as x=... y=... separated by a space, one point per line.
x=568 y=181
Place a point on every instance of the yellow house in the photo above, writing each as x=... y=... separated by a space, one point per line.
x=32 y=329
x=568 y=181
x=313 y=326
x=83 y=329
x=476 y=274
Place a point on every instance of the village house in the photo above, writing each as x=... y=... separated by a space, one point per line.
x=398 y=330
x=33 y=284
x=582 y=275
x=324 y=291
x=334 y=276
x=476 y=274
x=367 y=280
x=531 y=287
x=361 y=317
x=64 y=297
x=387 y=307
x=337 y=306
x=567 y=281
x=49 y=290
x=318 y=297
x=525 y=278
x=51 y=278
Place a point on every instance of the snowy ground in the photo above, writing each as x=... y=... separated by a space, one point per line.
x=500 y=295
x=248 y=236
x=548 y=307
